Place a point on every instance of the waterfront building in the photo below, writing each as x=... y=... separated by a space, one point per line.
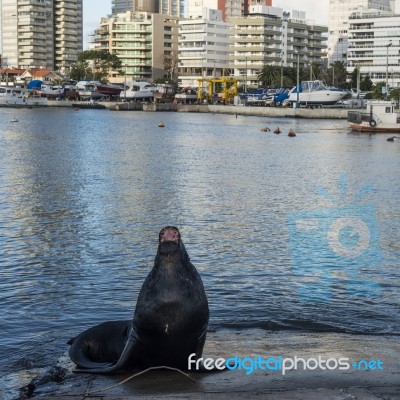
x=374 y=46
x=229 y=8
x=40 y=33
x=120 y=6
x=203 y=47
x=172 y=7
x=146 y=43
x=268 y=35
x=339 y=12
x=249 y=3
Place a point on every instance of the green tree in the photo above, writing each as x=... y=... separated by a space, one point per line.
x=337 y=74
x=395 y=95
x=366 y=84
x=97 y=64
x=353 y=78
x=377 y=91
x=80 y=71
x=270 y=75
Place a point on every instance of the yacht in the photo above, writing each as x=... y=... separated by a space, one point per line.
x=15 y=96
x=139 y=91
x=315 y=93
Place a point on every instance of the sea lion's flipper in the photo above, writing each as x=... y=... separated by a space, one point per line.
x=104 y=348
x=112 y=368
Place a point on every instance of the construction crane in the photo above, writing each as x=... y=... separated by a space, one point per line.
x=229 y=88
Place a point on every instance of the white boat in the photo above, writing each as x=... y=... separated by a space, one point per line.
x=315 y=93
x=88 y=90
x=52 y=90
x=14 y=96
x=187 y=95
x=139 y=90
x=380 y=116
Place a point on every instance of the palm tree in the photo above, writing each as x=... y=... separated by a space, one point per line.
x=269 y=75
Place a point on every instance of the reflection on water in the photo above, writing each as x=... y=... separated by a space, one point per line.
x=84 y=194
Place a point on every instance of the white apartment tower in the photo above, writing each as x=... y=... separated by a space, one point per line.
x=374 y=46
x=175 y=8
x=146 y=44
x=339 y=12
x=203 y=47
x=229 y=8
x=42 y=33
x=268 y=35
x=120 y=6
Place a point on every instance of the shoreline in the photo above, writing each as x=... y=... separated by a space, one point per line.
x=272 y=112
x=362 y=383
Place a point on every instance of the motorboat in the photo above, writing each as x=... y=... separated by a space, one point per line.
x=52 y=90
x=164 y=93
x=139 y=91
x=96 y=90
x=88 y=90
x=186 y=95
x=108 y=89
x=379 y=116
x=19 y=97
x=314 y=93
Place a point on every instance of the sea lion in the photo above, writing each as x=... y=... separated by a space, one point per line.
x=169 y=323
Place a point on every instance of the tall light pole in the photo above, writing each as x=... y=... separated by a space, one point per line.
x=125 y=84
x=245 y=82
x=387 y=67
x=298 y=81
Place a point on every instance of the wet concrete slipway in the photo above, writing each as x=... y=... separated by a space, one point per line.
x=365 y=379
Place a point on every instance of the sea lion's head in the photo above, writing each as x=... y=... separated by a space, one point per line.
x=170 y=244
x=169 y=240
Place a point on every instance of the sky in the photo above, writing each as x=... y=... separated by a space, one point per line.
x=93 y=10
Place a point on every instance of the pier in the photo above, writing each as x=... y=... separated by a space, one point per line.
x=273 y=112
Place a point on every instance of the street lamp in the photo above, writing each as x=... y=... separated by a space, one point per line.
x=298 y=81
x=387 y=66
x=358 y=81
x=125 y=83
x=245 y=82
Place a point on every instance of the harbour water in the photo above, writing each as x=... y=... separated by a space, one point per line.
x=84 y=193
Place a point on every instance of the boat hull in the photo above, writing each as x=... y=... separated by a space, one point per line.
x=376 y=129
x=325 y=98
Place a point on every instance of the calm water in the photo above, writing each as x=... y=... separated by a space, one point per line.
x=84 y=194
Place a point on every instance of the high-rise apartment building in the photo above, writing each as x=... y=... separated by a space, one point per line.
x=42 y=33
x=120 y=6
x=203 y=47
x=249 y=3
x=268 y=35
x=374 y=46
x=172 y=7
x=229 y=8
x=339 y=12
x=146 y=44
x=67 y=32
